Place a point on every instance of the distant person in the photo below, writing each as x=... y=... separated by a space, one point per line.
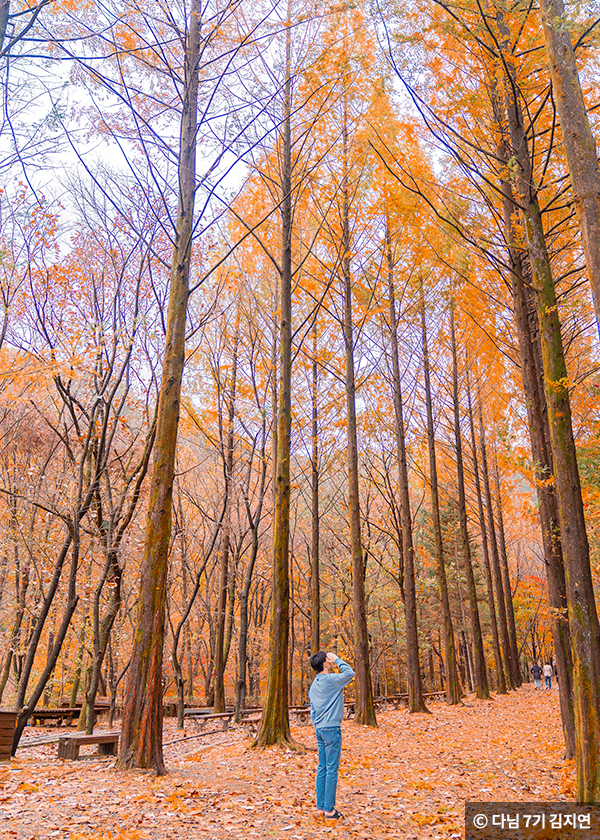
x=326 y=696
x=548 y=673
x=536 y=670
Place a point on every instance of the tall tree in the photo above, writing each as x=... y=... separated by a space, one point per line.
x=500 y=677
x=480 y=673
x=416 y=702
x=579 y=142
x=365 y=708
x=495 y=558
x=275 y=722
x=315 y=571
x=227 y=447
x=141 y=734
x=583 y=618
x=453 y=690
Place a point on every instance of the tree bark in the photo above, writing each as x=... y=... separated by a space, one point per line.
x=364 y=706
x=141 y=734
x=583 y=618
x=500 y=678
x=506 y=585
x=416 y=702
x=526 y=322
x=453 y=688
x=315 y=573
x=228 y=453
x=495 y=560
x=579 y=142
x=480 y=674
x=275 y=722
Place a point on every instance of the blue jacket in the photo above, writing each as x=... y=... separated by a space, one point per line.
x=326 y=696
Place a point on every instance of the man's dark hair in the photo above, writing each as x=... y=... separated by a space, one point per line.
x=317 y=660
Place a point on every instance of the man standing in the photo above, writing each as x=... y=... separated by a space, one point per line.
x=326 y=696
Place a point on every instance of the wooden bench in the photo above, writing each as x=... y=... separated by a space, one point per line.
x=202 y=719
x=67 y=714
x=250 y=723
x=301 y=714
x=8 y=720
x=69 y=745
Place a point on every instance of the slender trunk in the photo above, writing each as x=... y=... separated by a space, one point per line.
x=275 y=723
x=315 y=579
x=501 y=682
x=583 y=618
x=453 y=689
x=511 y=665
x=539 y=433
x=480 y=674
x=579 y=142
x=141 y=734
x=230 y=611
x=413 y=676
x=4 y=12
x=510 y=611
x=26 y=709
x=228 y=453
x=364 y=707
x=21 y=587
x=254 y=520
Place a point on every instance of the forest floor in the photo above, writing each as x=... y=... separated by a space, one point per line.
x=408 y=779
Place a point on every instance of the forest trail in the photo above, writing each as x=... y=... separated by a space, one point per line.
x=407 y=779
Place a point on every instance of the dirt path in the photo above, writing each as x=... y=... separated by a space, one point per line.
x=407 y=779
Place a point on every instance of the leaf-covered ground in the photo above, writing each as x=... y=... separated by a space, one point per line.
x=406 y=779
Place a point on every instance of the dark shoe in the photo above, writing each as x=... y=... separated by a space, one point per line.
x=335 y=816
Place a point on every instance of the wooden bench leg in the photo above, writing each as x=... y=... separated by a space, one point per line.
x=107 y=749
x=225 y=724
x=68 y=750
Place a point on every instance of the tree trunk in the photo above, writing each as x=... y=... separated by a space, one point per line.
x=453 y=689
x=228 y=452
x=511 y=665
x=583 y=619
x=579 y=142
x=275 y=723
x=480 y=674
x=416 y=702
x=539 y=433
x=510 y=611
x=315 y=573
x=500 y=679
x=141 y=733
x=364 y=707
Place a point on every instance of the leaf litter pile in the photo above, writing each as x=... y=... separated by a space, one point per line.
x=406 y=779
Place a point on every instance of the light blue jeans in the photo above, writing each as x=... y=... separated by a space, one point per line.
x=329 y=742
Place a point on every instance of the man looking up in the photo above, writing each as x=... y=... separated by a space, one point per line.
x=326 y=696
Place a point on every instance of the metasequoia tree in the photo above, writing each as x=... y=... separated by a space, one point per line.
x=413 y=677
x=511 y=666
x=227 y=448
x=453 y=689
x=275 y=723
x=499 y=45
x=480 y=671
x=583 y=618
x=315 y=570
x=579 y=142
x=141 y=735
x=500 y=677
